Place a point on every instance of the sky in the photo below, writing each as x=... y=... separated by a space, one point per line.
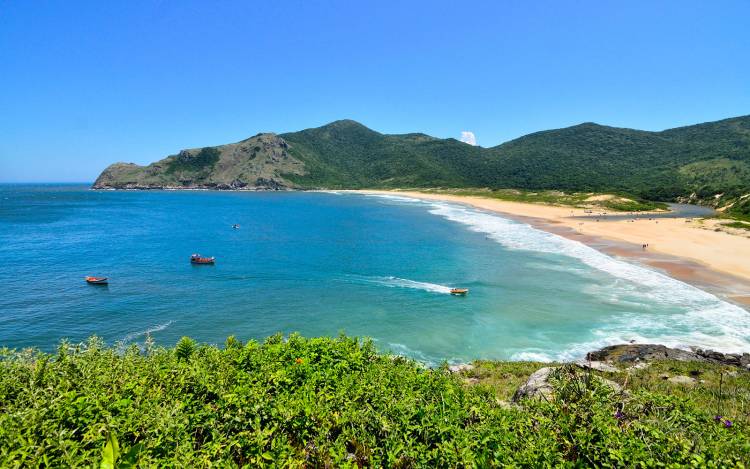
x=85 y=84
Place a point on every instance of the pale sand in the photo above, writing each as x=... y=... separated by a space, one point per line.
x=680 y=237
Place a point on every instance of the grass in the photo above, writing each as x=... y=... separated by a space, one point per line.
x=717 y=390
x=337 y=402
x=738 y=224
x=573 y=199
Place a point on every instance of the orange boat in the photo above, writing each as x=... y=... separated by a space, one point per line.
x=97 y=280
x=459 y=291
x=198 y=259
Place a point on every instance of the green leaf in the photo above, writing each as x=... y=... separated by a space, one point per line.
x=110 y=452
x=130 y=459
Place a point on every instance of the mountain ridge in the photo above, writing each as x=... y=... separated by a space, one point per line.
x=696 y=162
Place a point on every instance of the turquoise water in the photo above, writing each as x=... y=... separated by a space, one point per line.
x=321 y=263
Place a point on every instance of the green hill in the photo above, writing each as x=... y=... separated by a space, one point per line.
x=346 y=154
x=694 y=163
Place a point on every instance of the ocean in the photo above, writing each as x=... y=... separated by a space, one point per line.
x=325 y=263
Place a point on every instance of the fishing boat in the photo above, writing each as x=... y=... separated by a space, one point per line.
x=198 y=259
x=459 y=291
x=97 y=280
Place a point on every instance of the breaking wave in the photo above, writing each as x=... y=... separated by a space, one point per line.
x=656 y=308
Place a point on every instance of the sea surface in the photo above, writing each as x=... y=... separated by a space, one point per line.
x=323 y=263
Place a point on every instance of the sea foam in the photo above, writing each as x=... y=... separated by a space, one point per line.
x=695 y=318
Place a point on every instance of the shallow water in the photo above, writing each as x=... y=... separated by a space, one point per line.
x=321 y=263
x=675 y=211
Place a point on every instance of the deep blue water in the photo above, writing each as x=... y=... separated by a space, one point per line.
x=321 y=263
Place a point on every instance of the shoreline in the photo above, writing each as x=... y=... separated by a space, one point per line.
x=710 y=260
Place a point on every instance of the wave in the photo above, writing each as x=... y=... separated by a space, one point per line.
x=134 y=335
x=396 y=198
x=416 y=355
x=396 y=282
x=529 y=356
x=655 y=308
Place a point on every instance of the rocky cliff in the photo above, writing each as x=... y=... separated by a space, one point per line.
x=257 y=163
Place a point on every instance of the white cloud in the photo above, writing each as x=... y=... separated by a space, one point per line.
x=468 y=137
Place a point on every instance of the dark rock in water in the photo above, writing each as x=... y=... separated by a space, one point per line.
x=641 y=352
x=626 y=353
x=734 y=359
x=238 y=184
x=269 y=184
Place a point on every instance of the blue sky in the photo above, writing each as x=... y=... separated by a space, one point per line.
x=85 y=84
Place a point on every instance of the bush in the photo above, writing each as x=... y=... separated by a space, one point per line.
x=326 y=402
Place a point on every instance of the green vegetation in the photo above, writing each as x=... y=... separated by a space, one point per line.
x=573 y=199
x=738 y=224
x=705 y=160
x=203 y=161
x=740 y=208
x=338 y=403
x=698 y=163
x=346 y=154
x=718 y=390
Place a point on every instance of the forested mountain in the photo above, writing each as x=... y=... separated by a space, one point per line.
x=697 y=162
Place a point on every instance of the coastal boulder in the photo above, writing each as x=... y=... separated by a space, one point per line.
x=540 y=386
x=684 y=380
x=629 y=353
x=460 y=367
x=596 y=365
x=537 y=386
x=733 y=359
x=626 y=353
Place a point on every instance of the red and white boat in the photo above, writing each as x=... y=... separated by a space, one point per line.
x=198 y=259
x=97 y=280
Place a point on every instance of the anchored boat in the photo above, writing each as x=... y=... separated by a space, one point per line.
x=97 y=280
x=198 y=259
x=459 y=291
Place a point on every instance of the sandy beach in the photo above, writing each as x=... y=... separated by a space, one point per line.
x=688 y=249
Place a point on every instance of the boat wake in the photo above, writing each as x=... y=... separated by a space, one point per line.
x=134 y=335
x=396 y=282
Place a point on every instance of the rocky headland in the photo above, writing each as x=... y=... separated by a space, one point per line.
x=257 y=163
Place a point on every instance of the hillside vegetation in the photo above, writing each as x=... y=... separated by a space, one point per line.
x=707 y=163
x=338 y=403
x=696 y=162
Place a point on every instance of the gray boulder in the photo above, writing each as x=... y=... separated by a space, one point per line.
x=626 y=353
x=685 y=380
x=537 y=386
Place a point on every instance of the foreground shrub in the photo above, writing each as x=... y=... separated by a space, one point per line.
x=326 y=402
